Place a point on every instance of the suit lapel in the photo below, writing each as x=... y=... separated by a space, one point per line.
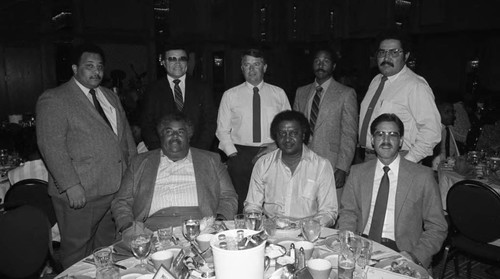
x=327 y=101
x=367 y=190
x=147 y=184
x=111 y=100
x=405 y=182
x=201 y=174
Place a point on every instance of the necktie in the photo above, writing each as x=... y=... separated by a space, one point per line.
x=315 y=108
x=369 y=112
x=98 y=106
x=380 y=208
x=256 y=115
x=178 y=95
x=447 y=142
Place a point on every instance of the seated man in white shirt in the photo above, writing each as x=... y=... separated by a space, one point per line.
x=164 y=186
x=293 y=182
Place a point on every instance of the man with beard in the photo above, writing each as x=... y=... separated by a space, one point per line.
x=293 y=182
x=245 y=113
x=86 y=143
x=165 y=186
x=393 y=201
x=332 y=110
x=398 y=90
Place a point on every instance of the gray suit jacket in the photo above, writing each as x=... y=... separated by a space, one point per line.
x=216 y=194
x=420 y=227
x=77 y=145
x=335 y=132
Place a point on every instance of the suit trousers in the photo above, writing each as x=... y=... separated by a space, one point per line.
x=240 y=170
x=85 y=229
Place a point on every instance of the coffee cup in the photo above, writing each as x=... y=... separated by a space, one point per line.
x=204 y=241
x=162 y=258
x=319 y=268
x=308 y=248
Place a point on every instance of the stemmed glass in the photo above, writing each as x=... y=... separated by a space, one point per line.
x=191 y=229
x=141 y=246
x=311 y=229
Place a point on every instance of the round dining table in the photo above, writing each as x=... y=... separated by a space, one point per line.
x=85 y=269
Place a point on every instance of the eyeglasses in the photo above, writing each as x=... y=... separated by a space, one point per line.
x=395 y=52
x=177 y=59
x=383 y=134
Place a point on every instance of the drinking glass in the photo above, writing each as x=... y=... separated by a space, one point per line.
x=165 y=237
x=365 y=253
x=191 y=229
x=350 y=249
x=141 y=246
x=239 y=221
x=253 y=220
x=103 y=260
x=311 y=229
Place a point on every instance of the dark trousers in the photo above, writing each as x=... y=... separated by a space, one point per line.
x=172 y=216
x=240 y=169
x=85 y=229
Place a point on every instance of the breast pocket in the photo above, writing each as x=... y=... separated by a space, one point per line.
x=308 y=191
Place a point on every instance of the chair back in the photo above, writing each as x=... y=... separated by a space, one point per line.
x=31 y=192
x=474 y=210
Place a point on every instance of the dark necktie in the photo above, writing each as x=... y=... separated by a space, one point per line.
x=98 y=106
x=447 y=142
x=315 y=108
x=256 y=115
x=369 y=112
x=178 y=95
x=380 y=208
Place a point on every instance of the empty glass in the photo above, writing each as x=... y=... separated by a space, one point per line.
x=141 y=246
x=191 y=229
x=253 y=220
x=311 y=229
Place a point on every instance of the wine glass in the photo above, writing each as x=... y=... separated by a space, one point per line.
x=311 y=229
x=191 y=229
x=253 y=220
x=141 y=246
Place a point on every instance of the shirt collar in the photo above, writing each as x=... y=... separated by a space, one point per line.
x=393 y=166
x=83 y=88
x=306 y=154
x=188 y=158
x=394 y=77
x=325 y=84
x=182 y=79
x=252 y=86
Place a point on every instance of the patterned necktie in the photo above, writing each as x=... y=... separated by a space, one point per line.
x=315 y=108
x=380 y=208
x=447 y=142
x=369 y=112
x=179 y=102
x=256 y=115
x=98 y=106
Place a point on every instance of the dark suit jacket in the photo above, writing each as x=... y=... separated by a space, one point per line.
x=420 y=227
x=198 y=106
x=336 y=129
x=216 y=194
x=77 y=145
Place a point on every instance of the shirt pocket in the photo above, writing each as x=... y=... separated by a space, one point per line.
x=308 y=191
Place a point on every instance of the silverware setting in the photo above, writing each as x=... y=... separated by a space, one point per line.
x=91 y=261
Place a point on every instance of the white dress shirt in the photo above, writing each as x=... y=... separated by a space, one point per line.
x=234 y=122
x=309 y=191
x=182 y=85
x=108 y=109
x=175 y=184
x=407 y=95
x=388 y=230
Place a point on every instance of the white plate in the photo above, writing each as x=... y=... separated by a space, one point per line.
x=131 y=276
x=146 y=276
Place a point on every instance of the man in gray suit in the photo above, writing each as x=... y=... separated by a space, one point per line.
x=86 y=143
x=332 y=110
x=164 y=186
x=392 y=200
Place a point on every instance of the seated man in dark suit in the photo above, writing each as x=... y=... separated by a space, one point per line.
x=164 y=186
x=393 y=201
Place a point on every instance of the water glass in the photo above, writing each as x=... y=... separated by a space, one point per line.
x=253 y=220
x=141 y=246
x=191 y=229
x=346 y=265
x=365 y=253
x=239 y=221
x=311 y=229
x=103 y=259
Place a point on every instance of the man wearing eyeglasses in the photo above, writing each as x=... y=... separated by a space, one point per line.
x=179 y=93
x=398 y=90
x=392 y=200
x=245 y=115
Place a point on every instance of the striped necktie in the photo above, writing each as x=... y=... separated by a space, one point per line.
x=179 y=102
x=315 y=108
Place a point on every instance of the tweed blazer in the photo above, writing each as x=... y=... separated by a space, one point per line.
x=198 y=106
x=216 y=194
x=77 y=145
x=335 y=132
x=420 y=226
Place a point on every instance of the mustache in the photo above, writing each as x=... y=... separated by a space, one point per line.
x=387 y=63
x=320 y=70
x=388 y=145
x=174 y=141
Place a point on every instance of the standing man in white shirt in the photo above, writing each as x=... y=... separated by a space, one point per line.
x=398 y=90
x=245 y=115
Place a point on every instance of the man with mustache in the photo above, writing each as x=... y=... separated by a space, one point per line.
x=86 y=143
x=165 y=186
x=245 y=113
x=392 y=200
x=332 y=110
x=293 y=182
x=398 y=90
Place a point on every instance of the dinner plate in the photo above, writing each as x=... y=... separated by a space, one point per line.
x=387 y=263
x=131 y=276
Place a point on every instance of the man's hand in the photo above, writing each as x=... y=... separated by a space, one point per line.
x=76 y=196
x=264 y=149
x=340 y=178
